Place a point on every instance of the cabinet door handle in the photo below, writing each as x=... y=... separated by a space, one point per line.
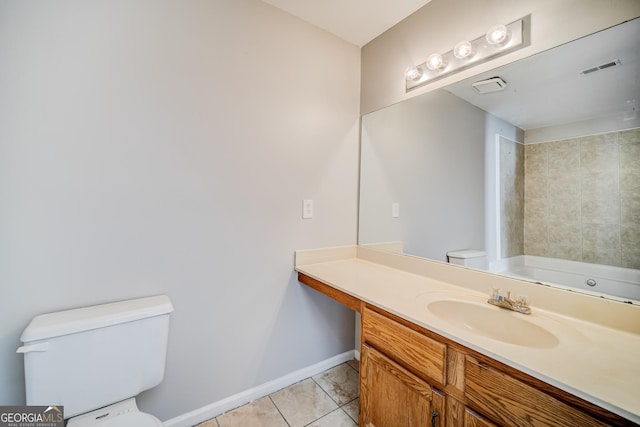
x=434 y=415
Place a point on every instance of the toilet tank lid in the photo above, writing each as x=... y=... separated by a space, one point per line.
x=82 y=319
x=466 y=253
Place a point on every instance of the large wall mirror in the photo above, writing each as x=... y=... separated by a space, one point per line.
x=542 y=176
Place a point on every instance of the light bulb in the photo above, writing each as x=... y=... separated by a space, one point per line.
x=463 y=50
x=497 y=34
x=414 y=73
x=435 y=61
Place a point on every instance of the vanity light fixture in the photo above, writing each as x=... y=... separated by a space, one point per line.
x=435 y=61
x=497 y=35
x=463 y=50
x=414 y=73
x=498 y=40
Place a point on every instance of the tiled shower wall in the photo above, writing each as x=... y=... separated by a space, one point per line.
x=511 y=198
x=582 y=199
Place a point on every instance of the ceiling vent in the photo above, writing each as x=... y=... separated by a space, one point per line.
x=493 y=84
x=600 y=67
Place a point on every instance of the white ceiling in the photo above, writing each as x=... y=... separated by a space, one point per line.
x=356 y=21
x=547 y=89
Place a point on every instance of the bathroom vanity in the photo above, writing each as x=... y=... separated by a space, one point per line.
x=435 y=353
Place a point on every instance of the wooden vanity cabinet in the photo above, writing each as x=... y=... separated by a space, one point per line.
x=391 y=396
x=411 y=376
x=421 y=354
x=473 y=419
x=400 y=370
x=514 y=403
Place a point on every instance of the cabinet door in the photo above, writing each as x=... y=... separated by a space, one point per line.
x=471 y=419
x=391 y=396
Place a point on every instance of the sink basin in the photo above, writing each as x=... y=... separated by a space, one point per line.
x=493 y=322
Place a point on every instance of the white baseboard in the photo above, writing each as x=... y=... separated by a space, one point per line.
x=216 y=408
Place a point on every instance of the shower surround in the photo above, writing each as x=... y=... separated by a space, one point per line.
x=575 y=199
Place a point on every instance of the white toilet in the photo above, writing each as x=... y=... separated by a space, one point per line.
x=95 y=360
x=469 y=258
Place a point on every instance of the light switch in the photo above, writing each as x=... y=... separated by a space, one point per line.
x=395 y=210
x=307 y=209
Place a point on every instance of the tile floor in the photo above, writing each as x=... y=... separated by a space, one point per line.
x=329 y=399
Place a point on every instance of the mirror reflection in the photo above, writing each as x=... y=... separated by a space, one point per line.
x=538 y=180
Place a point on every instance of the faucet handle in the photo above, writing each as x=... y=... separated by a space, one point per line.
x=522 y=301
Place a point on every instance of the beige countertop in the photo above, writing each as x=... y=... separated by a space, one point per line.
x=597 y=354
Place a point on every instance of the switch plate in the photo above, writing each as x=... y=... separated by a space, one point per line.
x=395 y=210
x=307 y=209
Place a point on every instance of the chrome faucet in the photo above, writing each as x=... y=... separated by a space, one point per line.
x=521 y=305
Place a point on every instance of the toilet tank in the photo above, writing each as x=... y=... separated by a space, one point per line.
x=91 y=357
x=469 y=258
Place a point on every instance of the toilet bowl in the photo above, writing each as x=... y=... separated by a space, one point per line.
x=93 y=361
x=121 y=414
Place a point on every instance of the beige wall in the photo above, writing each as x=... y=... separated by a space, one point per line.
x=442 y=23
x=151 y=147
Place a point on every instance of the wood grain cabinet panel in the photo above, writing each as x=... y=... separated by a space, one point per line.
x=391 y=396
x=510 y=402
x=472 y=419
x=421 y=354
